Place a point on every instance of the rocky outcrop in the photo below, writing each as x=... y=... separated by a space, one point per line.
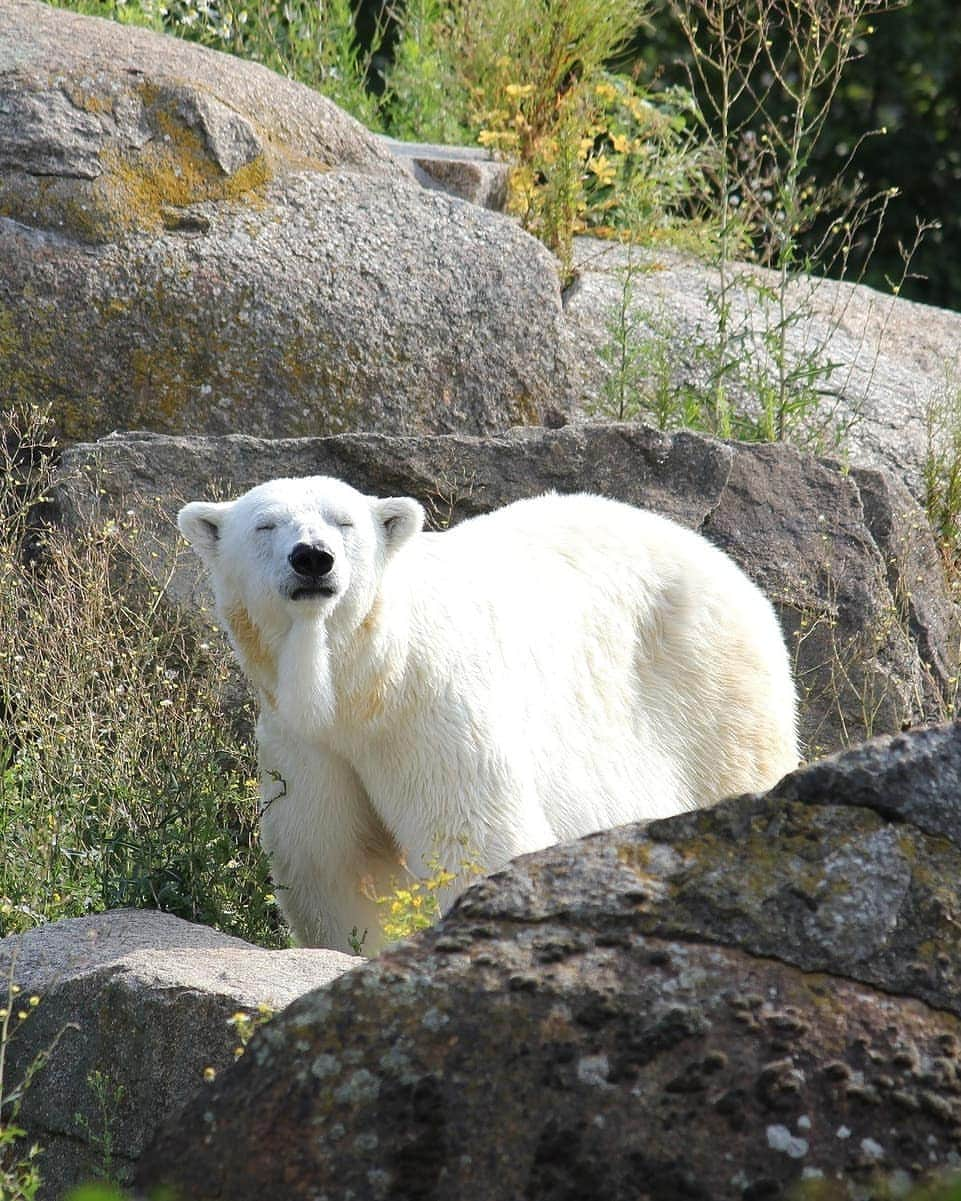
x=134 y=1010
x=845 y=556
x=189 y=242
x=717 y=1006
x=884 y=368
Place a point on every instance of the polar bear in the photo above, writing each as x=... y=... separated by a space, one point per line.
x=562 y=665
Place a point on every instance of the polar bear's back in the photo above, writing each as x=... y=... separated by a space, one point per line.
x=586 y=529
x=637 y=664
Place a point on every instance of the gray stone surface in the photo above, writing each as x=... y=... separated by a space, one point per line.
x=913 y=778
x=189 y=242
x=894 y=358
x=713 y=1007
x=85 y=99
x=144 y=999
x=859 y=587
x=469 y=172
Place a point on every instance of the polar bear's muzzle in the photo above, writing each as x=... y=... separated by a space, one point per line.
x=313 y=567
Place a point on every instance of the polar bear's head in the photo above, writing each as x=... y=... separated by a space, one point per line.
x=298 y=548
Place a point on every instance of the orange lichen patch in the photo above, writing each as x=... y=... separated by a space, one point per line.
x=636 y=856
x=248 y=181
x=557 y=1027
x=89 y=101
x=257 y=660
x=173 y=169
x=142 y=181
x=174 y=173
x=525 y=410
x=293 y=159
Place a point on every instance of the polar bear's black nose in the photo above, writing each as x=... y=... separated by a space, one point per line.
x=312 y=560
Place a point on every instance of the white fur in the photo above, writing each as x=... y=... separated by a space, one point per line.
x=562 y=665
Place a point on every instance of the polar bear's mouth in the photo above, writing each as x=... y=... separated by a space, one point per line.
x=305 y=591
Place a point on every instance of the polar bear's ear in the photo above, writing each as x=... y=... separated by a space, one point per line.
x=400 y=518
x=200 y=524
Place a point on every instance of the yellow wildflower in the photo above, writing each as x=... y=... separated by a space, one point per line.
x=602 y=167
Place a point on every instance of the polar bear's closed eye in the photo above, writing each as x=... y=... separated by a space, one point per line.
x=558 y=666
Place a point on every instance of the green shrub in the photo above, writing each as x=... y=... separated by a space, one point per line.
x=19 y=1173
x=121 y=782
x=425 y=99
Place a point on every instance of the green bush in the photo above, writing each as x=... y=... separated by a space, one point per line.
x=121 y=782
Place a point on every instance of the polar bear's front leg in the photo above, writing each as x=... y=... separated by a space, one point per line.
x=468 y=817
x=329 y=853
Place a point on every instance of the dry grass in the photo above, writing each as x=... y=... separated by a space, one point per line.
x=121 y=782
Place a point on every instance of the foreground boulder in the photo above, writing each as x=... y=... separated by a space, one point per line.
x=715 y=1007
x=133 y=1011
x=846 y=556
x=189 y=242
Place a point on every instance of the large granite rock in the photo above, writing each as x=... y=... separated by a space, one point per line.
x=893 y=361
x=716 y=1007
x=845 y=555
x=134 y=1008
x=189 y=242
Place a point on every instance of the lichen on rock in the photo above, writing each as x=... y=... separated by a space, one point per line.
x=133 y=155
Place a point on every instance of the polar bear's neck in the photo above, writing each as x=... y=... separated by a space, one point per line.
x=305 y=693
x=333 y=682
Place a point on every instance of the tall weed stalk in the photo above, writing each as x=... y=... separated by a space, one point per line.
x=765 y=74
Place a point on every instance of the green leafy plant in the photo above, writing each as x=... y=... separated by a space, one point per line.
x=945 y=1186
x=101 y=1192
x=356 y=940
x=766 y=73
x=108 y=1097
x=121 y=782
x=424 y=98
x=577 y=136
x=942 y=467
x=415 y=904
x=19 y=1170
x=613 y=158
x=246 y=1024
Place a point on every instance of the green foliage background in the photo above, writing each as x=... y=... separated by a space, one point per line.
x=908 y=80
